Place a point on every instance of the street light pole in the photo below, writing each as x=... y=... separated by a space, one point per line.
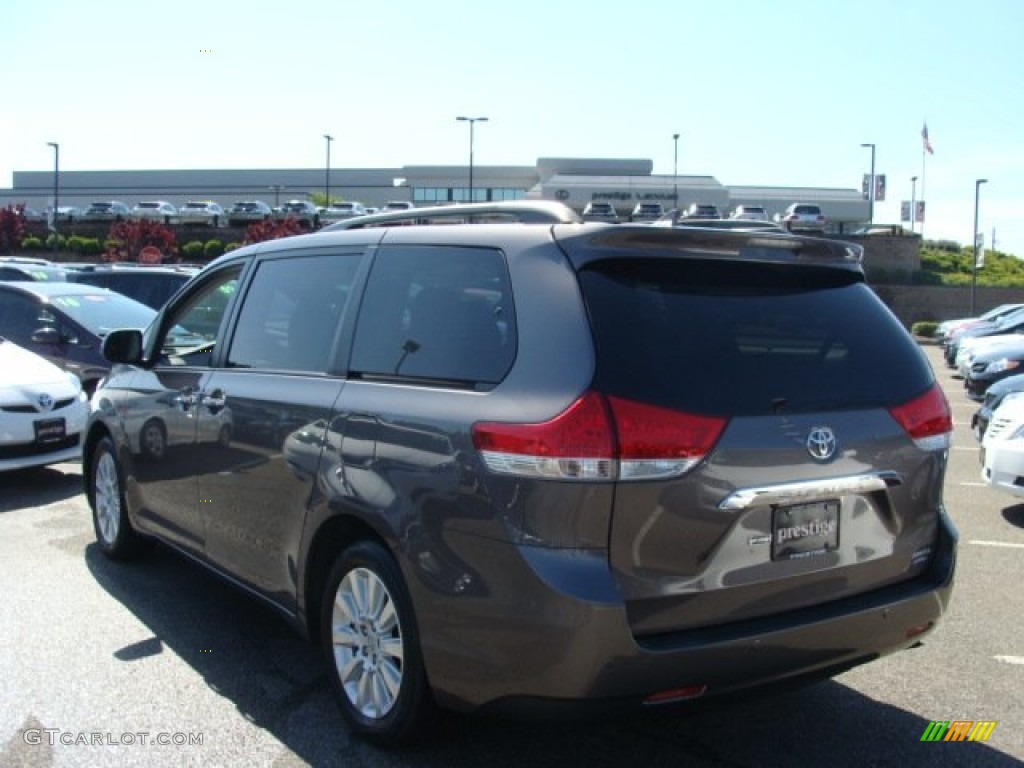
x=472 y=121
x=327 y=180
x=974 y=266
x=871 y=191
x=675 y=170
x=277 y=193
x=56 y=181
x=913 y=201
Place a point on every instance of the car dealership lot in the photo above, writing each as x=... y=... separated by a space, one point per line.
x=98 y=658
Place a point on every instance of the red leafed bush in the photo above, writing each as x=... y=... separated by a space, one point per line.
x=271 y=230
x=12 y=228
x=133 y=236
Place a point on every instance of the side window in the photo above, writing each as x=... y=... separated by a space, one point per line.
x=291 y=313
x=439 y=313
x=19 y=317
x=193 y=326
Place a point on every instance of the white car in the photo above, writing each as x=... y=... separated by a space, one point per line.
x=339 y=211
x=156 y=210
x=202 y=212
x=1002 y=448
x=750 y=213
x=42 y=410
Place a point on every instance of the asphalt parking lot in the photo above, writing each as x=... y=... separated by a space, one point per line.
x=158 y=663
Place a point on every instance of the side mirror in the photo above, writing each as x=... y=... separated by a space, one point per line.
x=123 y=346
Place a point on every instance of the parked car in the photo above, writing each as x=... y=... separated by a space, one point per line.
x=752 y=212
x=66 y=322
x=107 y=210
x=1010 y=323
x=802 y=217
x=32 y=214
x=43 y=410
x=600 y=211
x=1002 y=448
x=66 y=214
x=18 y=268
x=988 y=367
x=151 y=286
x=204 y=212
x=456 y=446
x=156 y=210
x=647 y=212
x=340 y=210
x=302 y=211
x=396 y=205
x=947 y=327
x=995 y=395
x=245 y=212
x=702 y=211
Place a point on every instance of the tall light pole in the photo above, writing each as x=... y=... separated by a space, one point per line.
x=56 y=180
x=675 y=170
x=472 y=121
x=871 y=191
x=277 y=193
x=327 y=180
x=913 y=201
x=974 y=266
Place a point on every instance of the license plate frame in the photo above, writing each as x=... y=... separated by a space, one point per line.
x=49 y=430
x=805 y=530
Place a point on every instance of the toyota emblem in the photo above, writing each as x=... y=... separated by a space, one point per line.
x=821 y=443
x=45 y=402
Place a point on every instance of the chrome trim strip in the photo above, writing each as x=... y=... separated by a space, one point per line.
x=807 y=490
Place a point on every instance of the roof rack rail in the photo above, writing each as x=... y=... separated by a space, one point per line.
x=505 y=211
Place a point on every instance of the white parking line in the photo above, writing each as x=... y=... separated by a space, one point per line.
x=1007 y=544
x=1010 y=659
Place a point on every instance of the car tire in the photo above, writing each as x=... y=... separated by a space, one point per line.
x=114 y=533
x=371 y=645
x=153 y=440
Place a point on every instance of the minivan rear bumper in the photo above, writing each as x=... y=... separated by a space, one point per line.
x=558 y=633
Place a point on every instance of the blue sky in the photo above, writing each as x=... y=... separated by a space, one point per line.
x=771 y=92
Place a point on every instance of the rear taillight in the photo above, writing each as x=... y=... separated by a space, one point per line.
x=927 y=419
x=599 y=438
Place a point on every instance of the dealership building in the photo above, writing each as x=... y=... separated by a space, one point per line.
x=624 y=182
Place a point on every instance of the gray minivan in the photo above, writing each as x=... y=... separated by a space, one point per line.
x=500 y=464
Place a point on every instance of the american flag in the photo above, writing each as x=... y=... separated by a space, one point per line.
x=924 y=138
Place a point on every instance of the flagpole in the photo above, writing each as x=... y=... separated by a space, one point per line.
x=925 y=149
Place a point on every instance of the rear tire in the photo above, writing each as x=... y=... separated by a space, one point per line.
x=114 y=533
x=371 y=644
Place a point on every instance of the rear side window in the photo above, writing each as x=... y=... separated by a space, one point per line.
x=734 y=338
x=436 y=313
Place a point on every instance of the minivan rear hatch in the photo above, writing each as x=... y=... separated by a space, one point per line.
x=824 y=480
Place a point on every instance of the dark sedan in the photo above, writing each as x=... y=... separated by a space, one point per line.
x=989 y=366
x=1011 y=386
x=66 y=322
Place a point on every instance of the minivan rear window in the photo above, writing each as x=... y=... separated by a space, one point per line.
x=747 y=339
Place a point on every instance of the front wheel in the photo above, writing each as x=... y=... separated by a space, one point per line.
x=372 y=647
x=114 y=531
